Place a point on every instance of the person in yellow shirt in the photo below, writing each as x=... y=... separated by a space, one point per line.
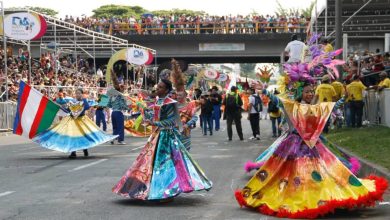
x=384 y=81
x=355 y=100
x=325 y=92
x=327 y=46
x=339 y=88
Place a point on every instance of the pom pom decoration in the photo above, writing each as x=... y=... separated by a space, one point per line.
x=177 y=77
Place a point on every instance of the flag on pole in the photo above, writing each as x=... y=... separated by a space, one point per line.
x=35 y=112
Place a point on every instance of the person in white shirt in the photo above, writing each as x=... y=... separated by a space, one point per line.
x=255 y=107
x=99 y=73
x=294 y=49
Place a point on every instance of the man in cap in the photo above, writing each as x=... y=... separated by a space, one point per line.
x=233 y=107
x=384 y=81
x=325 y=92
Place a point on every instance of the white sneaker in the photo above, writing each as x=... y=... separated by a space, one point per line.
x=252 y=138
x=121 y=143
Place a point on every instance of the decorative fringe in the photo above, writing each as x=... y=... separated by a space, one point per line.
x=249 y=166
x=368 y=200
x=240 y=199
x=355 y=165
x=177 y=76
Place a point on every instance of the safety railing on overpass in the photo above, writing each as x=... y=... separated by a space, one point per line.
x=127 y=28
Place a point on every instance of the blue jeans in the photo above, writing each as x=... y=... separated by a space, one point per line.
x=118 y=126
x=273 y=120
x=216 y=115
x=347 y=112
x=207 y=121
x=100 y=118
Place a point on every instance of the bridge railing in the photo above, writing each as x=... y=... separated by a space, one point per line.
x=126 y=28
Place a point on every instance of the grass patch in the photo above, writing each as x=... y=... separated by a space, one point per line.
x=371 y=143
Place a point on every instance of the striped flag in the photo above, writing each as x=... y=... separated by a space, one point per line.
x=35 y=112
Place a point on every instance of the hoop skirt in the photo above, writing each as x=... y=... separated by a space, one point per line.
x=301 y=178
x=137 y=131
x=72 y=134
x=164 y=168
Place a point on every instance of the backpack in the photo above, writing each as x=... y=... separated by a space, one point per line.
x=231 y=102
x=258 y=104
x=273 y=107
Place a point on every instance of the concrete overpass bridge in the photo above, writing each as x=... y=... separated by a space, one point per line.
x=215 y=48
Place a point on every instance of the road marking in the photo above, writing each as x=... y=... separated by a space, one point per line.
x=88 y=165
x=221 y=156
x=136 y=148
x=6 y=193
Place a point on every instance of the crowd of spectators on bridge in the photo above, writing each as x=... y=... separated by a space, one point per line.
x=184 y=24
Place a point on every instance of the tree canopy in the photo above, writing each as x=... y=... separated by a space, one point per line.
x=248 y=70
x=46 y=11
x=122 y=11
x=119 y=11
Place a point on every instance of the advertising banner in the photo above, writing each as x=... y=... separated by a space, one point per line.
x=24 y=26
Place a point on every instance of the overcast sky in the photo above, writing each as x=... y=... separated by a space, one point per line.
x=214 y=7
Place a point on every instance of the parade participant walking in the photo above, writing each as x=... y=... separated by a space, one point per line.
x=216 y=100
x=233 y=108
x=100 y=114
x=187 y=109
x=255 y=108
x=206 y=113
x=300 y=177
x=118 y=104
x=74 y=132
x=164 y=168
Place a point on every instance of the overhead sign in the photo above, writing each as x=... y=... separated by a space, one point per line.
x=24 y=26
x=132 y=55
x=221 y=47
x=139 y=56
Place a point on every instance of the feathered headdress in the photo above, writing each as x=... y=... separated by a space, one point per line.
x=177 y=76
x=298 y=74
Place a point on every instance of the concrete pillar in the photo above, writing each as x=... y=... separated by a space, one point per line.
x=345 y=46
x=338 y=24
x=387 y=42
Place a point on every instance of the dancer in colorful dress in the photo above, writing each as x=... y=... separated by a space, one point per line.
x=301 y=177
x=187 y=109
x=74 y=132
x=164 y=168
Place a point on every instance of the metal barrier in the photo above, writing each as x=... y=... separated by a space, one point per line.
x=7 y=115
x=375 y=105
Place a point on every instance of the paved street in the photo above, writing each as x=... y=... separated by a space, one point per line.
x=36 y=183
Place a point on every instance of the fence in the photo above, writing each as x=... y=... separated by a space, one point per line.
x=7 y=115
x=207 y=28
x=375 y=107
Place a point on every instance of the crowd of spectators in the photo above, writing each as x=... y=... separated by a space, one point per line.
x=367 y=65
x=70 y=73
x=184 y=24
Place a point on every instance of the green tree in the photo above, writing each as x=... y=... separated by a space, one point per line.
x=307 y=11
x=281 y=10
x=178 y=12
x=45 y=11
x=248 y=70
x=119 y=11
